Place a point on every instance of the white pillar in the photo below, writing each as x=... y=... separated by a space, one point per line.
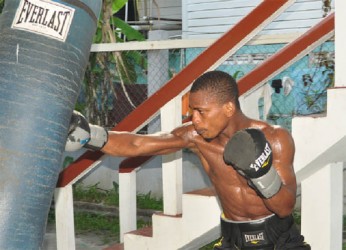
x=127 y=203
x=158 y=69
x=322 y=208
x=172 y=179
x=340 y=41
x=64 y=218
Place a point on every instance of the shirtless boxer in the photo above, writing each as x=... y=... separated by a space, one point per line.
x=248 y=162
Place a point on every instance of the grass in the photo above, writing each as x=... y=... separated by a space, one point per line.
x=108 y=229
x=94 y=194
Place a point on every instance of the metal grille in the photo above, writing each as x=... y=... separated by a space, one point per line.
x=117 y=82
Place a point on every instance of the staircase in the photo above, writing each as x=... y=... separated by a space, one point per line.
x=190 y=230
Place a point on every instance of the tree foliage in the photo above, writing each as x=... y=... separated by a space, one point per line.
x=2 y=3
x=106 y=69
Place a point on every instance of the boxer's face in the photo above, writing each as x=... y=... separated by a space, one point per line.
x=208 y=115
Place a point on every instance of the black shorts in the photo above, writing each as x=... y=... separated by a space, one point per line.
x=268 y=233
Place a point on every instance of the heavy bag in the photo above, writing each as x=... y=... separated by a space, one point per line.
x=44 y=51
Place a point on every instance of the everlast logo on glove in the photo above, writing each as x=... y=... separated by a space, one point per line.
x=44 y=17
x=250 y=154
x=263 y=160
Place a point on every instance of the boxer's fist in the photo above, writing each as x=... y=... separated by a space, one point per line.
x=81 y=134
x=249 y=152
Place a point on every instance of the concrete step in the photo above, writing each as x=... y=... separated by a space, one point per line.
x=200 y=219
x=115 y=247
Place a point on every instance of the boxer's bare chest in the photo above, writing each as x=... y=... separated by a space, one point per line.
x=238 y=200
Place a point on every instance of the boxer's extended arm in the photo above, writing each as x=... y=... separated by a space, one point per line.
x=129 y=144
x=266 y=165
x=81 y=134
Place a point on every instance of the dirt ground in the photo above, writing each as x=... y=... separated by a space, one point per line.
x=86 y=241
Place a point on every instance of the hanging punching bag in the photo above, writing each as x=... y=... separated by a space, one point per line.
x=44 y=51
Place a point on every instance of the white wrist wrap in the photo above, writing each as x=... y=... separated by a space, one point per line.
x=98 y=137
x=268 y=184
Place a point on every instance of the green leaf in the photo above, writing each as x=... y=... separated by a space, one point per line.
x=130 y=33
x=128 y=71
x=117 y=5
x=238 y=74
x=98 y=36
x=2 y=3
x=138 y=58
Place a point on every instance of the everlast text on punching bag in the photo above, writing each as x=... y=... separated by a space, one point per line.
x=44 y=50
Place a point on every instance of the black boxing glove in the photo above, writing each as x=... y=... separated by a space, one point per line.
x=249 y=152
x=82 y=134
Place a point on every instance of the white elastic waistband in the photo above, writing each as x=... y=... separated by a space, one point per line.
x=248 y=221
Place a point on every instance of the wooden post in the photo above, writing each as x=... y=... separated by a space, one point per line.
x=172 y=163
x=127 y=203
x=64 y=218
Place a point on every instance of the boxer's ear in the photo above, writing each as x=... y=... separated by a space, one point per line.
x=229 y=108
